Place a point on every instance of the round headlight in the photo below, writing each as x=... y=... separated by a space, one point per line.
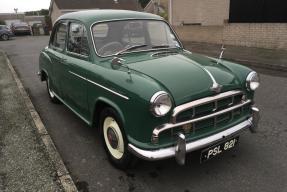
x=160 y=104
x=252 y=81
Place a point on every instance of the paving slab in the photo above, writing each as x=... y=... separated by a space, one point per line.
x=25 y=163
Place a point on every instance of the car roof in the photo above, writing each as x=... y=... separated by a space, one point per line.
x=92 y=16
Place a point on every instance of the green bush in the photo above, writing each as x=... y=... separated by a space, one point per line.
x=164 y=15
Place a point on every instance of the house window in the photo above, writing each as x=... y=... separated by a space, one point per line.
x=258 y=11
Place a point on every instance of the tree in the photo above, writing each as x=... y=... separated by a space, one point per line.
x=40 y=12
x=44 y=12
x=48 y=22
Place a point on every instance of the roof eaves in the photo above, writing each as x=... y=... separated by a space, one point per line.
x=51 y=7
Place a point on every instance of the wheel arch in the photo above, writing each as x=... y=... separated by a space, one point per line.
x=99 y=105
x=45 y=65
x=43 y=75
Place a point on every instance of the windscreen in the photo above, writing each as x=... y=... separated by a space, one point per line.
x=115 y=36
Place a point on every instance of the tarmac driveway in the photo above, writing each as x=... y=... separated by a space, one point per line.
x=257 y=164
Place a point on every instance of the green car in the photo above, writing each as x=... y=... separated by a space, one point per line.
x=127 y=74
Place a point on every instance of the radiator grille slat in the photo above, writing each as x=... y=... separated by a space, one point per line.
x=212 y=106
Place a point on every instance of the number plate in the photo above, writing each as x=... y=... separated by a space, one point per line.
x=218 y=148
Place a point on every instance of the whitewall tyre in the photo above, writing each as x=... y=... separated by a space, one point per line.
x=114 y=139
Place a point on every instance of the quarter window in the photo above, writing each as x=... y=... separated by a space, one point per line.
x=78 y=40
x=59 y=38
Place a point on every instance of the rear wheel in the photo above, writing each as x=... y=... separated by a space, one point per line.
x=5 y=37
x=51 y=94
x=114 y=139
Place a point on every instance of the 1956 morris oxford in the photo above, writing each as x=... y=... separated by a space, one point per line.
x=127 y=74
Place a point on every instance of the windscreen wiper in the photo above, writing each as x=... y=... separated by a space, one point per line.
x=130 y=48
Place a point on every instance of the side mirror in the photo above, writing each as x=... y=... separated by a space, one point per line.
x=116 y=63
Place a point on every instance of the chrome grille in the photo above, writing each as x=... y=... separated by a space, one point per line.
x=209 y=112
x=206 y=106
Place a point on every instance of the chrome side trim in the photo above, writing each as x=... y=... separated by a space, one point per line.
x=164 y=153
x=103 y=87
x=77 y=75
x=159 y=129
x=205 y=100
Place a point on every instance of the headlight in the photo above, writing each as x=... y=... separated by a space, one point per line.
x=252 y=81
x=160 y=104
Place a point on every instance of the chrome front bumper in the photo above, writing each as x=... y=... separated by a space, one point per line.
x=181 y=148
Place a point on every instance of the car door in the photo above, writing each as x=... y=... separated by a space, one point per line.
x=56 y=53
x=77 y=63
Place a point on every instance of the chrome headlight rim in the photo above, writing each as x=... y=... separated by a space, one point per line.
x=155 y=98
x=250 y=79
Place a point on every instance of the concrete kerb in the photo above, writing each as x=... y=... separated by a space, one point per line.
x=63 y=175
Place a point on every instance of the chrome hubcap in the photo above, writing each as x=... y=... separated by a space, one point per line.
x=113 y=138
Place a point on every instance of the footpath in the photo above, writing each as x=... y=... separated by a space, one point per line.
x=26 y=163
x=270 y=59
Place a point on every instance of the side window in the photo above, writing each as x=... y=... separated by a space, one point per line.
x=78 y=40
x=59 y=38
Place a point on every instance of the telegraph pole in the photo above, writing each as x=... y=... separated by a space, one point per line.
x=16 y=11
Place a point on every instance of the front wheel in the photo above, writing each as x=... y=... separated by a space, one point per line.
x=5 y=37
x=114 y=139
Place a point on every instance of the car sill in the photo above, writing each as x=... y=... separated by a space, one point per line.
x=84 y=119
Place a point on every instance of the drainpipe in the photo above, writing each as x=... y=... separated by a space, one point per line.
x=170 y=12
